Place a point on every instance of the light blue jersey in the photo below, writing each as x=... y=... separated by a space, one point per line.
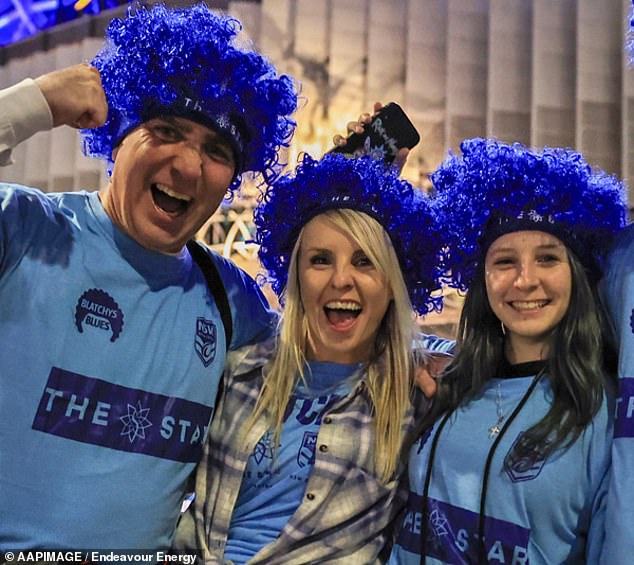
x=110 y=358
x=549 y=512
x=275 y=479
x=618 y=294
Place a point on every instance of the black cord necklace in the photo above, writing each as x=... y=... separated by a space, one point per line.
x=485 y=479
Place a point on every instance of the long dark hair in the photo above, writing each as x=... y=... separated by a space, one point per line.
x=575 y=367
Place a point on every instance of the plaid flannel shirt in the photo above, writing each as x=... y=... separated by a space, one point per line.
x=347 y=514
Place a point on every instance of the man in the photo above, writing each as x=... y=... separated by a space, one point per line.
x=111 y=343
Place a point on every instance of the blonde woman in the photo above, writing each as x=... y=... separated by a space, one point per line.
x=514 y=467
x=303 y=463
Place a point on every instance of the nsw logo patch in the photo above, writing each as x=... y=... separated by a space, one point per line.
x=96 y=308
x=206 y=340
x=306 y=453
x=519 y=468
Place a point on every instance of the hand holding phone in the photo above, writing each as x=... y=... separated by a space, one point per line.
x=388 y=131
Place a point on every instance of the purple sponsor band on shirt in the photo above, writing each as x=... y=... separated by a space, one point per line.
x=452 y=534
x=97 y=412
x=624 y=425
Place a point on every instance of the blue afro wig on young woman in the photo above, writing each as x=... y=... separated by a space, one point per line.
x=496 y=188
x=363 y=184
x=185 y=62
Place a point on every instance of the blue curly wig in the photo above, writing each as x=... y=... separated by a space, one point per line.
x=495 y=188
x=185 y=62
x=363 y=184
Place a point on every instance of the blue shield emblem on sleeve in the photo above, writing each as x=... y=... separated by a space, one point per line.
x=206 y=340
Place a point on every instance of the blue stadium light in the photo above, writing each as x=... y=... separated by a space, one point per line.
x=20 y=19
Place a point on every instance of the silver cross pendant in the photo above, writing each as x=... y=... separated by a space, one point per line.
x=493 y=431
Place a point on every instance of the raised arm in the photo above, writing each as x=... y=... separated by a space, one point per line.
x=72 y=96
x=75 y=96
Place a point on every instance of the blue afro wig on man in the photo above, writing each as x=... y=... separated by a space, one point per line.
x=495 y=188
x=363 y=184
x=186 y=62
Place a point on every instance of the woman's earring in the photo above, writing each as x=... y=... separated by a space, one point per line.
x=503 y=328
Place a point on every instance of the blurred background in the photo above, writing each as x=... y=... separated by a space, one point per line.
x=542 y=72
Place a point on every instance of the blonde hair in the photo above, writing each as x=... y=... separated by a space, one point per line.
x=390 y=368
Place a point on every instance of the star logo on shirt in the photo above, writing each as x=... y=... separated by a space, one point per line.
x=135 y=422
x=263 y=449
x=439 y=522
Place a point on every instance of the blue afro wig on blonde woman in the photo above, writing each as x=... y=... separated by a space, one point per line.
x=495 y=188
x=363 y=184
x=185 y=62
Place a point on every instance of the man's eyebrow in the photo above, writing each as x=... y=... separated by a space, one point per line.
x=214 y=136
x=175 y=122
x=183 y=127
x=181 y=124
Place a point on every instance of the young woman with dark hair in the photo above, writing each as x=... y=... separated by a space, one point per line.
x=513 y=467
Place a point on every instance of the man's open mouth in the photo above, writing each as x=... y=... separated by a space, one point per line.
x=168 y=200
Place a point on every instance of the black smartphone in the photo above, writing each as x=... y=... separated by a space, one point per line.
x=389 y=131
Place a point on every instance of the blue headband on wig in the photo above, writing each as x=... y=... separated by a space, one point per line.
x=185 y=62
x=495 y=188
x=363 y=184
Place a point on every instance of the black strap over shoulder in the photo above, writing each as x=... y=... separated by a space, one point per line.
x=214 y=282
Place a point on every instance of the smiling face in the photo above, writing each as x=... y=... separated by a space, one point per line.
x=344 y=295
x=528 y=282
x=170 y=175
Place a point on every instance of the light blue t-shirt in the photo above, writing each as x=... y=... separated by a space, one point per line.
x=549 y=512
x=110 y=358
x=275 y=478
x=617 y=290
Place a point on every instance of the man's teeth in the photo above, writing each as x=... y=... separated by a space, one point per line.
x=339 y=305
x=529 y=305
x=167 y=190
